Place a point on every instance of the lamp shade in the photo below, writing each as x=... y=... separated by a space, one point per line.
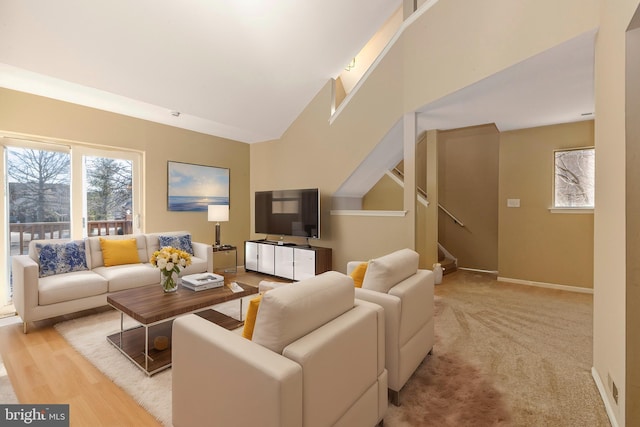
x=218 y=213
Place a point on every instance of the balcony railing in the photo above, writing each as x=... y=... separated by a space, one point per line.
x=23 y=232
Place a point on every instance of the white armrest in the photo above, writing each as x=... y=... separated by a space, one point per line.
x=25 y=274
x=392 y=309
x=351 y=265
x=416 y=294
x=344 y=356
x=217 y=375
x=204 y=251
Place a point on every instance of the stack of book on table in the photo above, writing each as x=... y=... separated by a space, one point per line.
x=202 y=281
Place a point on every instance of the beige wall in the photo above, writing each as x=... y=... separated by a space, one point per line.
x=535 y=244
x=483 y=43
x=633 y=220
x=417 y=70
x=49 y=119
x=385 y=195
x=610 y=234
x=468 y=188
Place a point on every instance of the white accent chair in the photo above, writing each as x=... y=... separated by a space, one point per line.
x=316 y=358
x=405 y=292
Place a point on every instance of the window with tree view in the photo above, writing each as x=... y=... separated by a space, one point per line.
x=108 y=197
x=574 y=183
x=39 y=198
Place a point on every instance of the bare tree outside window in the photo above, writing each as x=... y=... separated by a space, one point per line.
x=575 y=178
x=109 y=184
x=38 y=185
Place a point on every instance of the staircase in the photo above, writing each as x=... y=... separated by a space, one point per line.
x=448 y=263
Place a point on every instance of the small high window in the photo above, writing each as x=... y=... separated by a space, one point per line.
x=574 y=182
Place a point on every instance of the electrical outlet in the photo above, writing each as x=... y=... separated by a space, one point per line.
x=513 y=203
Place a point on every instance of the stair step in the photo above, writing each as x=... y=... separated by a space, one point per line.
x=448 y=265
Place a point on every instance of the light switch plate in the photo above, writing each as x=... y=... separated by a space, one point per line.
x=513 y=203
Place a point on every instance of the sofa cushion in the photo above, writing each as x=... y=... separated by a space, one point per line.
x=178 y=241
x=198 y=265
x=118 y=252
x=290 y=312
x=385 y=272
x=70 y=287
x=61 y=257
x=129 y=276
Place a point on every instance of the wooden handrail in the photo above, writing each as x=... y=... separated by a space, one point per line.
x=456 y=220
x=424 y=194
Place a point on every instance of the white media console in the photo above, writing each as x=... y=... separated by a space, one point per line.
x=287 y=261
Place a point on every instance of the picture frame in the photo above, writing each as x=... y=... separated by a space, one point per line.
x=192 y=187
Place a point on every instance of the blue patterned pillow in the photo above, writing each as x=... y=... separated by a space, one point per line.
x=57 y=258
x=178 y=241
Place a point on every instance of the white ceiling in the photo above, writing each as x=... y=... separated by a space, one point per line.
x=245 y=69
x=555 y=86
x=240 y=69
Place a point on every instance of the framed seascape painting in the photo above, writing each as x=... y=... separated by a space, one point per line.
x=191 y=188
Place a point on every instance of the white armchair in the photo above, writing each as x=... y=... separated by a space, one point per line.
x=396 y=284
x=316 y=358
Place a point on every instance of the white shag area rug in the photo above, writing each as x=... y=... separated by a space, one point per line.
x=7 y=395
x=88 y=335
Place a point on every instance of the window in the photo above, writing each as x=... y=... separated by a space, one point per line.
x=39 y=196
x=574 y=181
x=44 y=201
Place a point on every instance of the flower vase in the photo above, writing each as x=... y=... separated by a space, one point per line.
x=169 y=281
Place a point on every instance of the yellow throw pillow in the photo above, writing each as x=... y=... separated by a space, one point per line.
x=117 y=252
x=250 y=320
x=358 y=274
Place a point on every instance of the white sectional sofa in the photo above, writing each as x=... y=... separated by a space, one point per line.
x=43 y=289
x=316 y=358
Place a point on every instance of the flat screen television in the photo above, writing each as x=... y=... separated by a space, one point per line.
x=288 y=213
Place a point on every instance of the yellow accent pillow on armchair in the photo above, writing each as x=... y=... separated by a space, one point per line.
x=358 y=274
x=250 y=320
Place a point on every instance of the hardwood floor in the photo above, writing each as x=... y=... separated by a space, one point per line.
x=45 y=369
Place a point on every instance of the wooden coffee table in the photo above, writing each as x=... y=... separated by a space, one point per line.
x=155 y=311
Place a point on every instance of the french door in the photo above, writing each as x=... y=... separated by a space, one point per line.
x=109 y=203
x=64 y=191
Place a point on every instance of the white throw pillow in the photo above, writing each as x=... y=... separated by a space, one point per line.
x=387 y=271
x=290 y=312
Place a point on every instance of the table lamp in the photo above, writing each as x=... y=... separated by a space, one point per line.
x=218 y=213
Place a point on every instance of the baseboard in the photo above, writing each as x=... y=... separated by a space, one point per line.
x=547 y=285
x=477 y=270
x=603 y=396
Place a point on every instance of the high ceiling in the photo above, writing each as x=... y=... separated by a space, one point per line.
x=245 y=69
x=239 y=69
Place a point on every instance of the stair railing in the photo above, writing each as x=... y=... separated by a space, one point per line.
x=452 y=216
x=423 y=193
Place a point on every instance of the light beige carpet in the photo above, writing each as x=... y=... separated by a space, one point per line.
x=505 y=355
x=527 y=350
